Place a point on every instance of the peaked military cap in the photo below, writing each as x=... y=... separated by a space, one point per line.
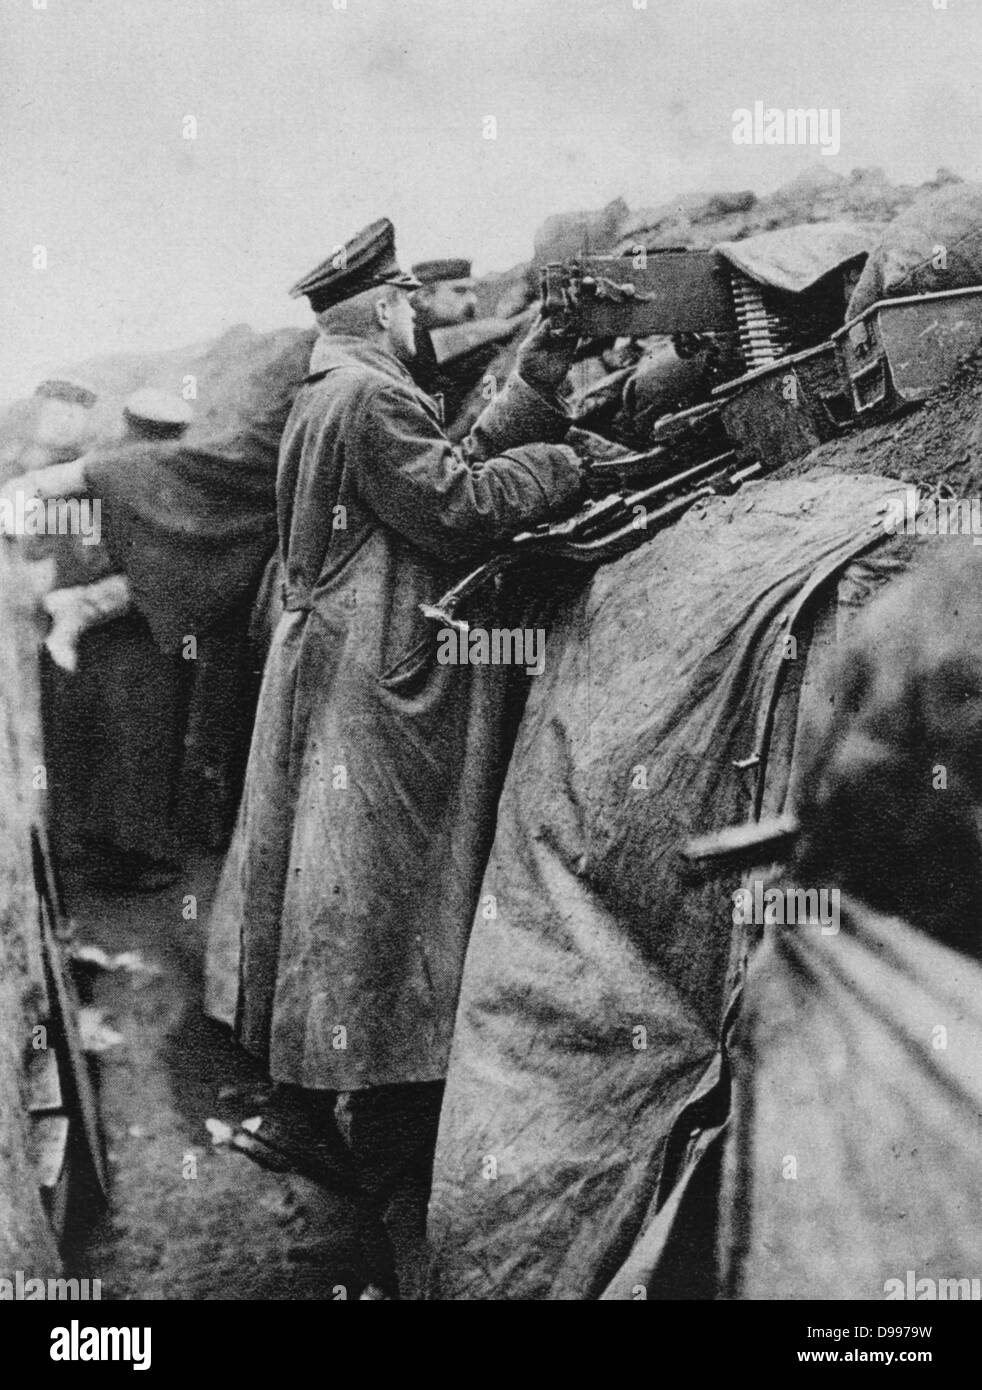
x=367 y=260
x=157 y=414
x=432 y=272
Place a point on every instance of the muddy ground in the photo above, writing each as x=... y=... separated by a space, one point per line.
x=188 y=1220
x=937 y=444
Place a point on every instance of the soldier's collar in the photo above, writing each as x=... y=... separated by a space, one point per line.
x=333 y=350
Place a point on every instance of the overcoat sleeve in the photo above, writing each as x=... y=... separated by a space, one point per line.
x=444 y=500
x=516 y=415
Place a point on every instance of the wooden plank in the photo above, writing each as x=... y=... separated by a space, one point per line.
x=43 y=1082
x=79 y=1096
x=49 y=1151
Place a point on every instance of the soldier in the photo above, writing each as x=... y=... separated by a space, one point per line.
x=54 y=426
x=453 y=347
x=88 y=592
x=368 y=808
x=155 y=414
x=111 y=726
x=445 y=299
x=147 y=735
x=446 y=295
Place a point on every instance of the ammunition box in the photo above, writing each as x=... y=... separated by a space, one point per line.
x=779 y=412
x=900 y=350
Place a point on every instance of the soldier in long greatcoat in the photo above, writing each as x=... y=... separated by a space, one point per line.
x=368 y=807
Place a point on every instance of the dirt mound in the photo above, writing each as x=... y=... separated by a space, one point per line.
x=701 y=220
x=939 y=442
x=816 y=195
x=224 y=380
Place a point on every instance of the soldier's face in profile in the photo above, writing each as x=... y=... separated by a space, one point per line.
x=401 y=326
x=447 y=303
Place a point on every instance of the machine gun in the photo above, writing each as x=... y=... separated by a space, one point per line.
x=672 y=291
x=677 y=292
x=788 y=398
x=691 y=458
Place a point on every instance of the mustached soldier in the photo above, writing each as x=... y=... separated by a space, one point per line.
x=445 y=299
x=368 y=811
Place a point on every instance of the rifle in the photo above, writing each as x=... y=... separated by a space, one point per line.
x=460 y=339
x=598 y=533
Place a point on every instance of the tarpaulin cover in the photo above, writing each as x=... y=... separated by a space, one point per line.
x=596 y=977
x=854 y=1156
x=795 y=258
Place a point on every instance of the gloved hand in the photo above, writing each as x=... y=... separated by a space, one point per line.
x=546 y=355
x=688 y=345
x=593 y=449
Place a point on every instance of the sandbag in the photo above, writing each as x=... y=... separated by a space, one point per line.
x=934 y=245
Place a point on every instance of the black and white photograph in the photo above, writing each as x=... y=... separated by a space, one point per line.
x=491 y=665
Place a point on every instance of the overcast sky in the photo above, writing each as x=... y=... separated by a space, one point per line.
x=315 y=116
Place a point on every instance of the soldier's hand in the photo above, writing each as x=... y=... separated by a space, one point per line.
x=546 y=355
x=56 y=480
x=592 y=450
x=592 y=447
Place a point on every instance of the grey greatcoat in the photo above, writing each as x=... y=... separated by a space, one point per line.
x=367 y=814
